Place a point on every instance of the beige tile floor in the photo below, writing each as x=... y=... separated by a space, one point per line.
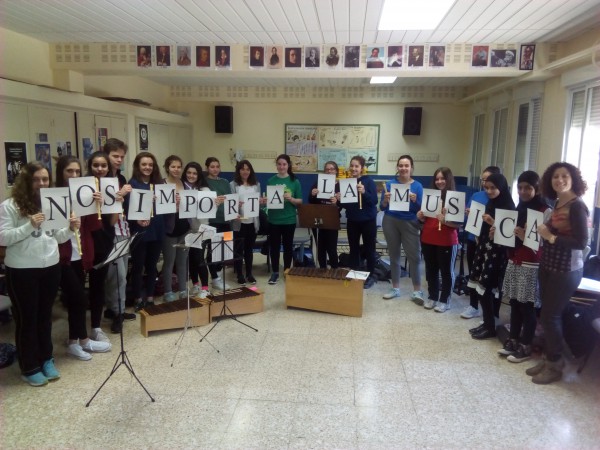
x=399 y=377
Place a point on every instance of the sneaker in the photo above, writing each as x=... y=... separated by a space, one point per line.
x=510 y=347
x=98 y=335
x=429 y=304
x=50 y=371
x=393 y=293
x=274 y=278
x=470 y=313
x=442 y=307
x=241 y=280
x=204 y=293
x=117 y=326
x=96 y=346
x=250 y=279
x=183 y=294
x=37 y=379
x=195 y=291
x=217 y=283
x=128 y=316
x=169 y=297
x=369 y=282
x=109 y=314
x=523 y=353
x=417 y=297
x=76 y=351
x=139 y=306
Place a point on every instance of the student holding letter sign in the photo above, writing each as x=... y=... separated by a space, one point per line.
x=561 y=268
x=521 y=277
x=362 y=216
x=194 y=181
x=324 y=192
x=141 y=217
x=32 y=272
x=246 y=227
x=282 y=199
x=490 y=258
x=72 y=277
x=439 y=242
x=401 y=201
x=97 y=236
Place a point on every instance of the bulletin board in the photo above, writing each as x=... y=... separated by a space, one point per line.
x=310 y=146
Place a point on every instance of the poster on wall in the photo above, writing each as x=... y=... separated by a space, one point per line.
x=42 y=154
x=88 y=148
x=63 y=148
x=311 y=146
x=16 y=157
x=143 y=132
x=102 y=137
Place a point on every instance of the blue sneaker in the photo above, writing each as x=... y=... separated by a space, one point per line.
x=50 y=371
x=170 y=297
x=37 y=379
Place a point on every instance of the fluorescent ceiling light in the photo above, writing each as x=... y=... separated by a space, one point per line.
x=413 y=14
x=383 y=80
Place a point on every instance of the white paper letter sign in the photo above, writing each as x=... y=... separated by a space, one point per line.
x=56 y=207
x=82 y=189
x=207 y=206
x=165 y=198
x=188 y=204
x=532 y=238
x=475 y=218
x=505 y=223
x=251 y=206
x=275 y=196
x=231 y=208
x=455 y=206
x=326 y=186
x=399 y=197
x=432 y=202
x=109 y=188
x=348 y=190
x=140 y=204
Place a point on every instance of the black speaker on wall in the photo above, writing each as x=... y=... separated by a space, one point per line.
x=412 y=121
x=223 y=119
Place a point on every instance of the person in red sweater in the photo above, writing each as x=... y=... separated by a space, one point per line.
x=439 y=244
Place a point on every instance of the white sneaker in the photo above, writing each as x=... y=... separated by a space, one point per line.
x=204 y=293
x=195 y=291
x=96 y=346
x=76 y=351
x=98 y=335
x=217 y=283
x=417 y=297
x=470 y=313
x=393 y=293
x=429 y=304
x=441 y=307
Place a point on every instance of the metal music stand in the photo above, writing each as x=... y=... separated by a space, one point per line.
x=120 y=249
x=226 y=313
x=188 y=320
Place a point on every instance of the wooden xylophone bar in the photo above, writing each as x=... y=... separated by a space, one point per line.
x=312 y=272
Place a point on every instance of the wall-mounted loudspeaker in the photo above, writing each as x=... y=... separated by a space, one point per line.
x=223 y=119
x=412 y=121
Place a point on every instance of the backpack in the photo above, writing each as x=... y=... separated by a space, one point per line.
x=8 y=353
x=382 y=271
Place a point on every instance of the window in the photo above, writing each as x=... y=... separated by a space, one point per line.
x=499 y=137
x=527 y=145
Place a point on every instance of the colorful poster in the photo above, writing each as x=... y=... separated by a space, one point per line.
x=16 y=157
x=102 y=137
x=42 y=154
x=88 y=148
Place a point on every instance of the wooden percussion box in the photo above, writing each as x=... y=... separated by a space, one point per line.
x=326 y=290
x=239 y=301
x=168 y=316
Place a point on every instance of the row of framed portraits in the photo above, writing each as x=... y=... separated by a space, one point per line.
x=330 y=57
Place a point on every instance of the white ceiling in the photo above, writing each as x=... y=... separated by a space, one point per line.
x=286 y=22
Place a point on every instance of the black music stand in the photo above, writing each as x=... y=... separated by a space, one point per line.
x=120 y=249
x=221 y=247
x=319 y=217
x=188 y=320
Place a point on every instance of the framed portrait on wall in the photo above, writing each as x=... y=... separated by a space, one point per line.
x=202 y=56
x=143 y=134
x=257 y=56
x=526 y=57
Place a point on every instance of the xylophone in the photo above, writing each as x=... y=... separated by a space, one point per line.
x=330 y=291
x=168 y=316
x=239 y=301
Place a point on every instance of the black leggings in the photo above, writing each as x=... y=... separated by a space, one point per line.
x=197 y=265
x=327 y=247
x=522 y=321
x=72 y=282
x=244 y=248
x=281 y=234
x=368 y=230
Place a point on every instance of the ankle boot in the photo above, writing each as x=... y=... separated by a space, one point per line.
x=532 y=371
x=552 y=372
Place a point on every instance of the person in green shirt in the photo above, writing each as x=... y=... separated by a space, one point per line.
x=282 y=222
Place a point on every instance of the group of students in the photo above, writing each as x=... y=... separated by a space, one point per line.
x=39 y=262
